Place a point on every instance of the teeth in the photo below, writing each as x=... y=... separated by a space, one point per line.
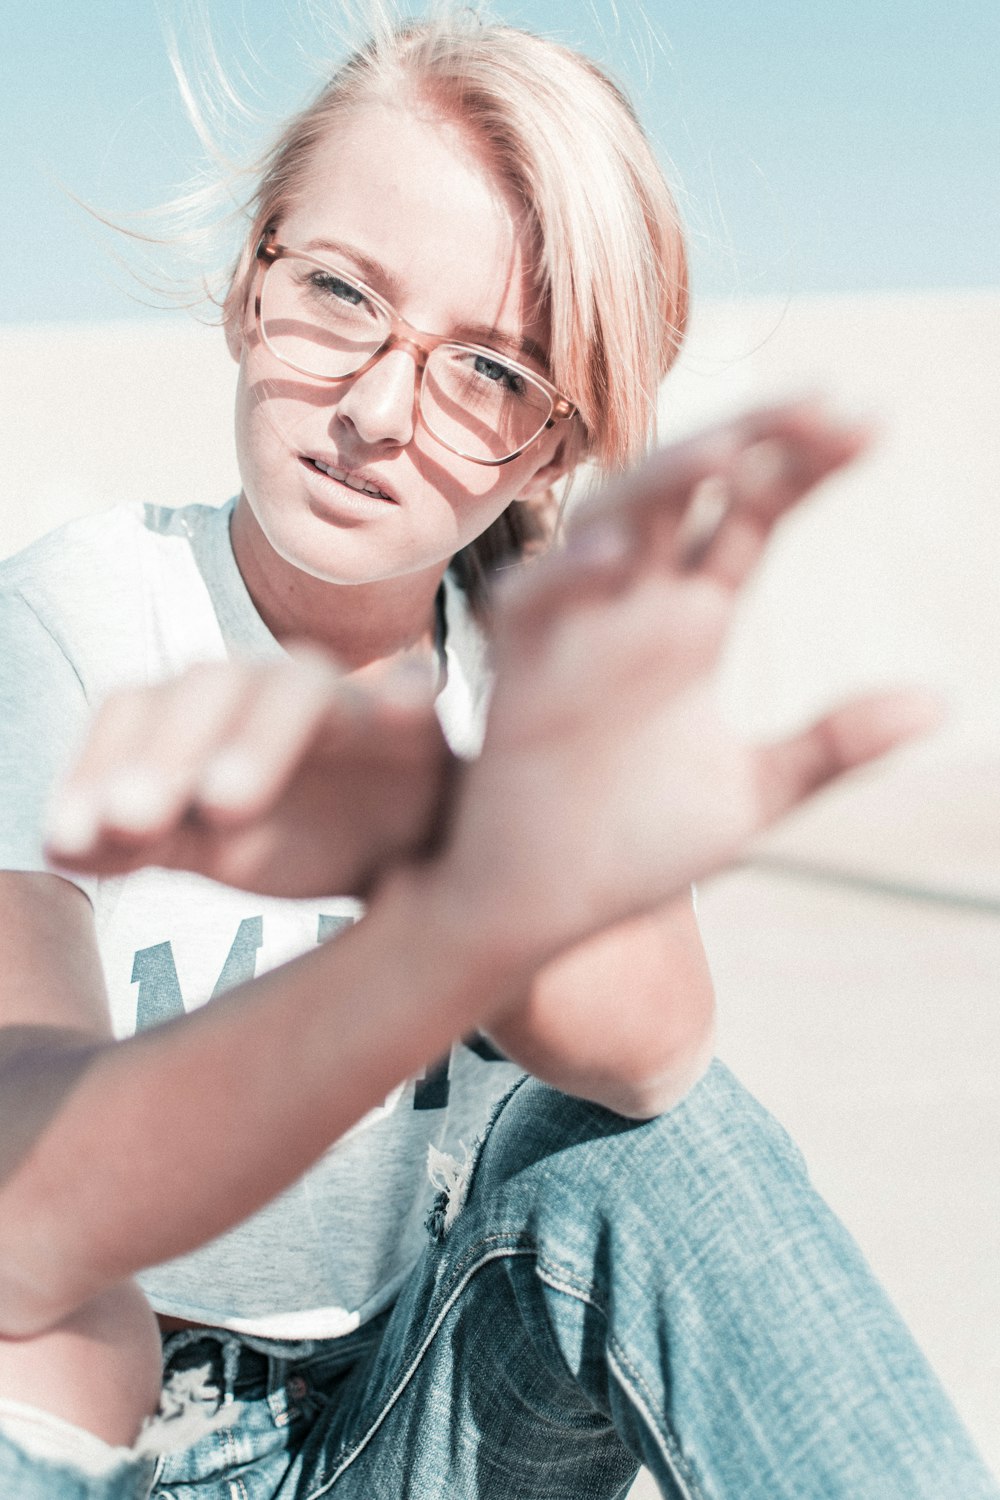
x=350 y=480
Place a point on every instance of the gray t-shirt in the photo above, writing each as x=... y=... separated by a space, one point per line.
x=130 y=597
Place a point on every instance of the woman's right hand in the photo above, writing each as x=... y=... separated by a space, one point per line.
x=289 y=778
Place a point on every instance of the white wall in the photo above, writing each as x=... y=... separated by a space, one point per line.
x=891 y=574
x=94 y=416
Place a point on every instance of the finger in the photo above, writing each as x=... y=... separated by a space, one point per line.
x=291 y=702
x=851 y=736
x=606 y=537
x=630 y=528
x=308 y=707
x=134 y=779
x=402 y=726
x=72 y=818
x=660 y=490
x=769 y=477
x=708 y=502
x=594 y=565
x=402 y=689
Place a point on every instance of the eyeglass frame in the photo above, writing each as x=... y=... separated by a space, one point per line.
x=403 y=335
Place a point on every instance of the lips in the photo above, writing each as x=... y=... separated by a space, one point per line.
x=352 y=479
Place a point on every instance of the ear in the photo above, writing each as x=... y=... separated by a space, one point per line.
x=233 y=324
x=234 y=318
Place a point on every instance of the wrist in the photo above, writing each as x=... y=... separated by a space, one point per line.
x=435 y=826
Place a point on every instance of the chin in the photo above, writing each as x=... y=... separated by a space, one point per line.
x=345 y=557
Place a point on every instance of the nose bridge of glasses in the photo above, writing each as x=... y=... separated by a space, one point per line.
x=406 y=344
x=397 y=341
x=404 y=337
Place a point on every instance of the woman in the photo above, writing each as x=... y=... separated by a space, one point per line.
x=463 y=273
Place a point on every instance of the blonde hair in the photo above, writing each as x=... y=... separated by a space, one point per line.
x=613 y=268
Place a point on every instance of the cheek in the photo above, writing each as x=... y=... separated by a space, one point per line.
x=477 y=500
x=264 y=427
x=249 y=424
x=480 y=495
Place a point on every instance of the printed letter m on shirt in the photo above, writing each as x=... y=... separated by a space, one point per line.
x=154 y=971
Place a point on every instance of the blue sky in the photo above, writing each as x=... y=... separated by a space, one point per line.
x=838 y=148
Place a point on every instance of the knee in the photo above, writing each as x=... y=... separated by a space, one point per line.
x=99 y=1369
x=717 y=1145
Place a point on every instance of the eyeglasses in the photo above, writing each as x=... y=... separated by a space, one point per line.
x=326 y=324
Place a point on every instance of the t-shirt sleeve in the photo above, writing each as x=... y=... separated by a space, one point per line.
x=43 y=715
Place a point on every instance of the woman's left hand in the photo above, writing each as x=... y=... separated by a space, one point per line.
x=288 y=778
x=609 y=779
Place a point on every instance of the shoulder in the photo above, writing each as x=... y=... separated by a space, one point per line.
x=50 y=553
x=63 y=574
x=105 y=542
x=98 y=585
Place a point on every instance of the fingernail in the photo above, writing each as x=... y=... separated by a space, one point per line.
x=228 y=779
x=72 y=823
x=707 y=510
x=761 y=467
x=134 y=800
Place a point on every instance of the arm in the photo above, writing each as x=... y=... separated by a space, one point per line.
x=121 y=1154
x=304 y=722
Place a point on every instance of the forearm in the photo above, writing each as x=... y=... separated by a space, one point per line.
x=625 y=1019
x=159 y=1143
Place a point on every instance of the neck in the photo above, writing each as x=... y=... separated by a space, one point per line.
x=360 y=623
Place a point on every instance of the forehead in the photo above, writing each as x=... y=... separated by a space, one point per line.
x=411 y=194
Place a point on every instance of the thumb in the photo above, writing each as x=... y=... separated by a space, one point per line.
x=858 y=732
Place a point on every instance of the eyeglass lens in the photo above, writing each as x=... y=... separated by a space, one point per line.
x=324 y=325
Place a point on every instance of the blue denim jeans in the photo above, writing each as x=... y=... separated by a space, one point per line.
x=670 y=1292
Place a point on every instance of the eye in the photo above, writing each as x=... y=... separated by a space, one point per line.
x=334 y=286
x=500 y=374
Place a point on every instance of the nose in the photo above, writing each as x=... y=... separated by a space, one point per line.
x=381 y=402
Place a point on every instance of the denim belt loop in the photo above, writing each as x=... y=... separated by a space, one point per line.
x=232 y=1352
x=278 y=1399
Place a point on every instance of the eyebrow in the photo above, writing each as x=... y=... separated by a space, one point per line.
x=388 y=285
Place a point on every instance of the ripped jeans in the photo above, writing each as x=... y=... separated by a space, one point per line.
x=669 y=1292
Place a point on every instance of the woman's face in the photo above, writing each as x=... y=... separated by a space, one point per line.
x=400 y=199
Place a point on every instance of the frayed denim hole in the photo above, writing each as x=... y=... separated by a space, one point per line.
x=451 y=1178
x=435 y=1220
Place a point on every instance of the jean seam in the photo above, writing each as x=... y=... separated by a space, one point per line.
x=629 y=1378
x=232 y=1459
x=517 y=1242
x=563 y=1280
x=502 y=1250
x=161 y=1464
